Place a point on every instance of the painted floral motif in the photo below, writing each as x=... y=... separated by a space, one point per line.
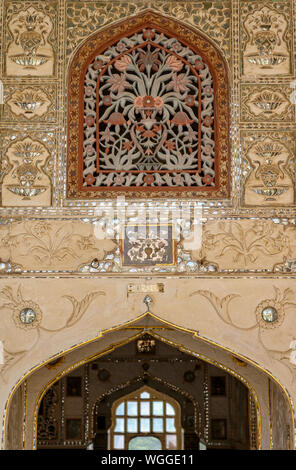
x=29 y=161
x=30 y=51
x=150 y=120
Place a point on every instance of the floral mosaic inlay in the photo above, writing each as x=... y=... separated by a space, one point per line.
x=149 y=117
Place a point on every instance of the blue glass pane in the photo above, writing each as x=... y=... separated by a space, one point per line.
x=132 y=408
x=118 y=442
x=145 y=408
x=120 y=409
x=170 y=425
x=132 y=425
x=145 y=425
x=157 y=425
x=157 y=408
x=119 y=426
x=169 y=410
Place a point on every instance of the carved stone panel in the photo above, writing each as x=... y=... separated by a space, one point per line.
x=263 y=103
x=268 y=169
x=266 y=40
x=30 y=35
x=27 y=182
x=28 y=103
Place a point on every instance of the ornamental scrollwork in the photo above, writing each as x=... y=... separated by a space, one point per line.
x=26 y=315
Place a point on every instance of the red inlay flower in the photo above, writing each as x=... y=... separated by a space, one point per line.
x=174 y=63
x=199 y=65
x=158 y=102
x=138 y=102
x=115 y=119
x=121 y=46
x=148 y=101
x=89 y=149
x=148 y=34
x=89 y=120
x=127 y=145
x=179 y=83
x=207 y=149
x=190 y=100
x=119 y=179
x=98 y=64
x=177 y=46
x=148 y=133
x=208 y=90
x=90 y=179
x=178 y=180
x=89 y=90
x=149 y=179
x=207 y=179
x=207 y=121
x=123 y=63
x=118 y=82
x=107 y=100
x=170 y=145
x=181 y=119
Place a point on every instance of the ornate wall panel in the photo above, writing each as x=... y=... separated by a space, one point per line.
x=266 y=38
x=28 y=168
x=30 y=38
x=148 y=116
x=72 y=251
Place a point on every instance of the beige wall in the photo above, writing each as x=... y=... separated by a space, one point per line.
x=218 y=285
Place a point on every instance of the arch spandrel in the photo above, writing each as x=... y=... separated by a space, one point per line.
x=122 y=154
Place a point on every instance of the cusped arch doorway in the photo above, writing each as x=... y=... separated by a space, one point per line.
x=148 y=352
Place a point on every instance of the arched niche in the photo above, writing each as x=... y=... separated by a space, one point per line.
x=148 y=113
x=265 y=391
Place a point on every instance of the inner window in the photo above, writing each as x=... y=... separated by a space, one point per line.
x=146 y=420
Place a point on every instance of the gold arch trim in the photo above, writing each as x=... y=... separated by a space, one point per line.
x=130 y=325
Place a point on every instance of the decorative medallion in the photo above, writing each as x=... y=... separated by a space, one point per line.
x=148 y=113
x=26 y=313
x=189 y=376
x=146 y=345
x=148 y=245
x=271 y=312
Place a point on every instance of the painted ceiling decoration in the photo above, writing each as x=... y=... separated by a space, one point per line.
x=148 y=113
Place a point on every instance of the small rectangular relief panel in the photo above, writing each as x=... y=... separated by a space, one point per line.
x=148 y=245
x=145 y=288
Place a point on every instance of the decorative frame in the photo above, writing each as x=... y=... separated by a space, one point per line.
x=134 y=248
x=95 y=45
